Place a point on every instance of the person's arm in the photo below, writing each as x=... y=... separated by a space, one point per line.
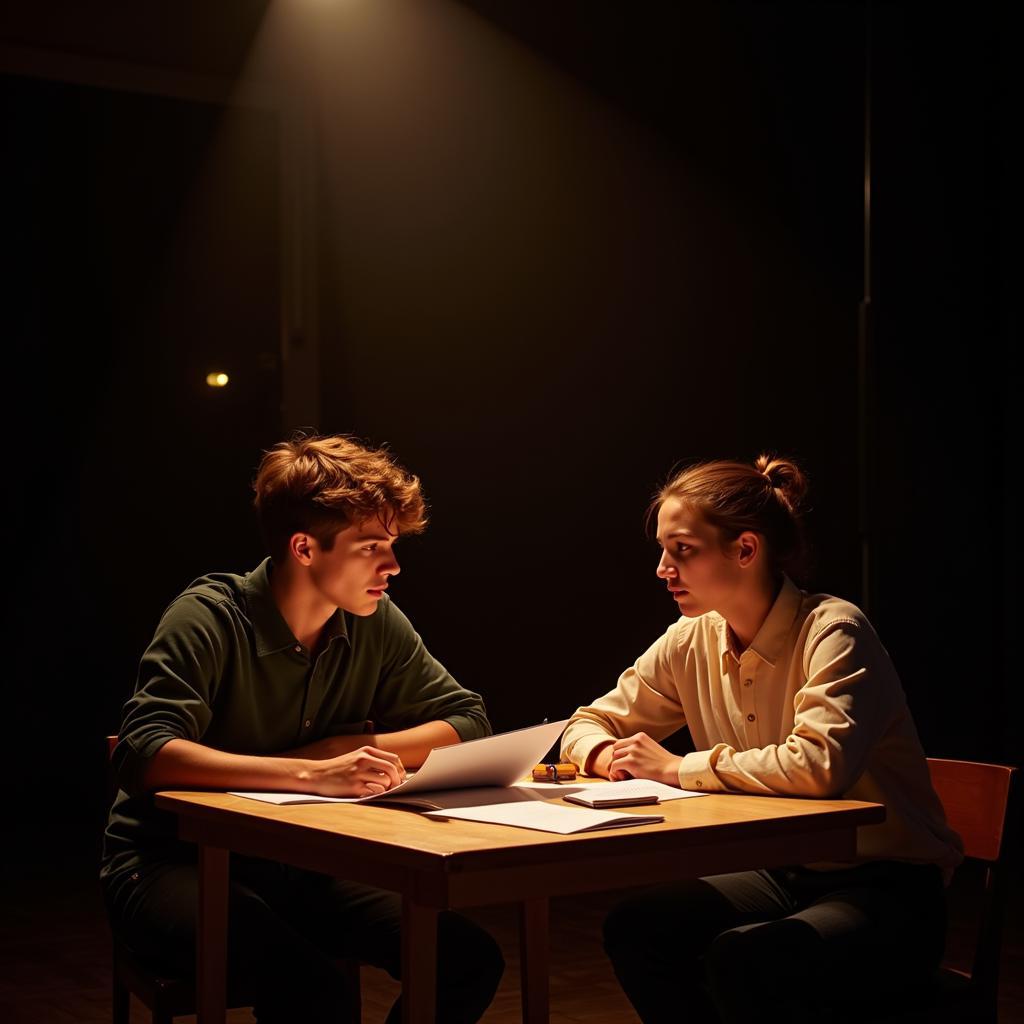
x=851 y=695
x=160 y=746
x=181 y=763
x=178 y=679
x=599 y=761
x=411 y=746
x=645 y=699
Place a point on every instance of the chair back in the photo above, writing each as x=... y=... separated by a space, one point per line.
x=979 y=799
x=975 y=798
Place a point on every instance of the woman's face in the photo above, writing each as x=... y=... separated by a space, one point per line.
x=702 y=573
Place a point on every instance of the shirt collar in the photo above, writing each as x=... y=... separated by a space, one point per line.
x=272 y=633
x=725 y=646
x=771 y=638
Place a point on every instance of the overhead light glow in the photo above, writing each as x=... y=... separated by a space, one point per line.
x=217 y=380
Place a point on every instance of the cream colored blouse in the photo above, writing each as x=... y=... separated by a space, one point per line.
x=812 y=708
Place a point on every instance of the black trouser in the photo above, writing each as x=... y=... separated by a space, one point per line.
x=285 y=929
x=759 y=945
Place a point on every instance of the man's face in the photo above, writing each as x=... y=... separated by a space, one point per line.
x=700 y=574
x=354 y=574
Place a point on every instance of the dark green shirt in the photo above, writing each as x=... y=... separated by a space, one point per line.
x=225 y=670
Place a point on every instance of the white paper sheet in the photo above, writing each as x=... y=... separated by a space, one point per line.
x=547 y=817
x=490 y=761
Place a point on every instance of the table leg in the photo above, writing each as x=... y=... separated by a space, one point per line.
x=533 y=949
x=212 y=937
x=419 y=962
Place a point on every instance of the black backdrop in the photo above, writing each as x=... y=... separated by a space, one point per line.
x=569 y=245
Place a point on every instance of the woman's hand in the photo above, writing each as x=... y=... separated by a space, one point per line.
x=640 y=757
x=364 y=772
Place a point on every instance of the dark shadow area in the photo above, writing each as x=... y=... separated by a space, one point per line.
x=562 y=247
x=55 y=945
x=141 y=264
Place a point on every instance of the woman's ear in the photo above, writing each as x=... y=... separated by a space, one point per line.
x=748 y=547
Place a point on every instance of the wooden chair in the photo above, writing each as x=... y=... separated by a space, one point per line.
x=167 y=996
x=979 y=801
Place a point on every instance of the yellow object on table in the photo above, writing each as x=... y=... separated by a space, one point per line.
x=563 y=772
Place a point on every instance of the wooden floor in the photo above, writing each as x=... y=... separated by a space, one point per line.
x=54 y=951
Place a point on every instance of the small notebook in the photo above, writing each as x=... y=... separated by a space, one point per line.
x=627 y=793
x=597 y=800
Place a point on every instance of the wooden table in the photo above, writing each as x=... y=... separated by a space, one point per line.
x=437 y=865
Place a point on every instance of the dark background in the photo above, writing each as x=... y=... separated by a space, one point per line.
x=561 y=247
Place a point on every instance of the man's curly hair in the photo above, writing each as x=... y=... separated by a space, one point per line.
x=322 y=484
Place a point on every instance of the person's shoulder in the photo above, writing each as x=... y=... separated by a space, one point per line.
x=387 y=620
x=696 y=632
x=218 y=586
x=389 y=617
x=824 y=613
x=838 y=629
x=210 y=594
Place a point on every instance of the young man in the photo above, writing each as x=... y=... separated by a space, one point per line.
x=301 y=676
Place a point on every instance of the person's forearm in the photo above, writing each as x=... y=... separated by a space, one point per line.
x=182 y=763
x=599 y=761
x=411 y=745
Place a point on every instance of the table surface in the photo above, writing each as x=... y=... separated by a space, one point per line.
x=437 y=864
x=386 y=846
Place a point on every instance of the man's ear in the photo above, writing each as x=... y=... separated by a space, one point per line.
x=300 y=547
x=748 y=547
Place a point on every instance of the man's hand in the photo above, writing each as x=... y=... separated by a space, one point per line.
x=640 y=757
x=363 y=772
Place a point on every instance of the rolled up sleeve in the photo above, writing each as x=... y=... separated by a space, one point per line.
x=175 y=688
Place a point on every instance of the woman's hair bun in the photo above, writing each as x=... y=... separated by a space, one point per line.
x=786 y=479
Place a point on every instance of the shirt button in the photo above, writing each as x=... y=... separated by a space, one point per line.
x=298 y=648
x=748 y=682
x=307 y=723
x=750 y=718
x=698 y=783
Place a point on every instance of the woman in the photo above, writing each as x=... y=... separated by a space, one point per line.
x=788 y=694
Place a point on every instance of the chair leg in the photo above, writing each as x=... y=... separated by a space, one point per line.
x=120 y=1001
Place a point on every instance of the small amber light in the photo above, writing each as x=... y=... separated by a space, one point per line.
x=217 y=380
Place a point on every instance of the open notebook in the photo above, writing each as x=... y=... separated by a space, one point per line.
x=547 y=817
